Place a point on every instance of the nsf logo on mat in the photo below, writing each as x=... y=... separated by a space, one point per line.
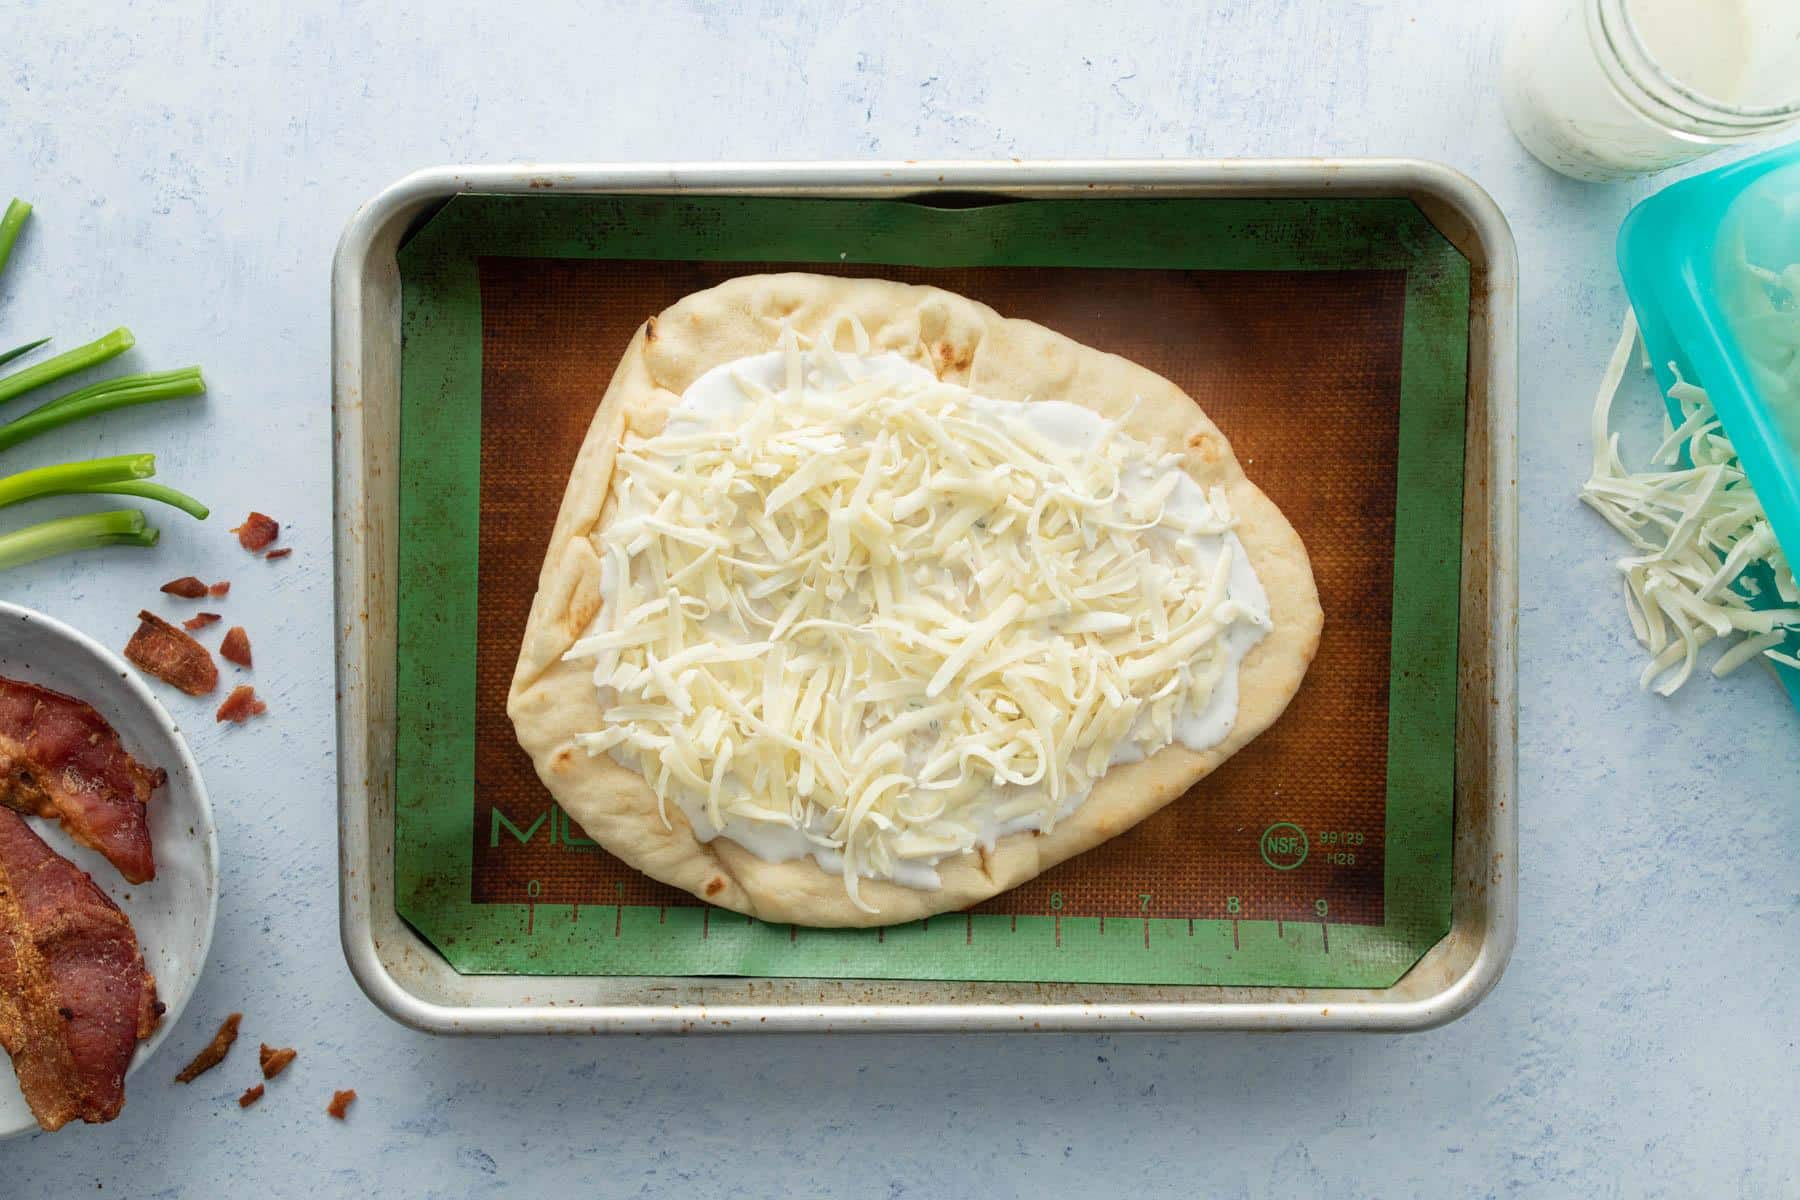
x=1283 y=845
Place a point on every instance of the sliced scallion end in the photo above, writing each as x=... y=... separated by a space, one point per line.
x=64 y=535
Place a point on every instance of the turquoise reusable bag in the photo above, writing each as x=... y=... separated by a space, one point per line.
x=1686 y=255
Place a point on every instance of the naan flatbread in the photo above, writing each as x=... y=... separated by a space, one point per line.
x=961 y=341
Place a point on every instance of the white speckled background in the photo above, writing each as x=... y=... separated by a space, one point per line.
x=192 y=164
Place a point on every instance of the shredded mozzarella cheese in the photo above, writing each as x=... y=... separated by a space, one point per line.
x=1701 y=532
x=887 y=619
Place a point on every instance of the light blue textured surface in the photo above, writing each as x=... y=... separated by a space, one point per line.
x=192 y=165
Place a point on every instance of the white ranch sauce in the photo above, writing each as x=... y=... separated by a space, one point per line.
x=716 y=398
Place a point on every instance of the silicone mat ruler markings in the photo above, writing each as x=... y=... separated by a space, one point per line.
x=1149 y=944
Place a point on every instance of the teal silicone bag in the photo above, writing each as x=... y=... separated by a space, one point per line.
x=1687 y=256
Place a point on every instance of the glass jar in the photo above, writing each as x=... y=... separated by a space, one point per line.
x=1610 y=89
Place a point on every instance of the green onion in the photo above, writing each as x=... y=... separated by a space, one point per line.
x=121 y=527
x=10 y=224
x=152 y=491
x=68 y=362
x=56 y=480
x=185 y=376
x=120 y=475
x=20 y=351
x=101 y=397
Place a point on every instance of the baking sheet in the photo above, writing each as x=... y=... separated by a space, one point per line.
x=1326 y=338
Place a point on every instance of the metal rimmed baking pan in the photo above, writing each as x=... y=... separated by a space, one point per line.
x=411 y=981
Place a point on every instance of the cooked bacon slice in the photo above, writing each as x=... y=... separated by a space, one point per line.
x=75 y=998
x=172 y=656
x=274 y=1061
x=340 y=1103
x=60 y=759
x=214 y=1052
x=241 y=705
x=236 y=646
x=219 y=589
x=257 y=532
x=251 y=1096
x=187 y=587
x=199 y=620
x=281 y=553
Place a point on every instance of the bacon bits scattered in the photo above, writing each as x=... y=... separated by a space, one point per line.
x=340 y=1103
x=241 y=705
x=251 y=1096
x=219 y=589
x=236 y=646
x=215 y=1051
x=199 y=620
x=274 y=1061
x=187 y=587
x=172 y=656
x=281 y=553
x=257 y=531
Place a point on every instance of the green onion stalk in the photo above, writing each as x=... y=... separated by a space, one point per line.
x=120 y=475
x=99 y=350
x=97 y=398
x=21 y=351
x=120 y=527
x=10 y=224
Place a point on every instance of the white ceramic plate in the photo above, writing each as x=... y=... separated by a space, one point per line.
x=173 y=913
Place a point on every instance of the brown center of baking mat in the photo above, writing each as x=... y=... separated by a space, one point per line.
x=1250 y=877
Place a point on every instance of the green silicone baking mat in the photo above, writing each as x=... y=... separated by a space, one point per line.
x=1328 y=339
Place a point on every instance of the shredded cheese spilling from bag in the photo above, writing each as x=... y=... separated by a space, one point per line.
x=1700 y=531
x=885 y=620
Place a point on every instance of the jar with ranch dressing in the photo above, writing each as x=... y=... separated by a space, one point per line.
x=1611 y=89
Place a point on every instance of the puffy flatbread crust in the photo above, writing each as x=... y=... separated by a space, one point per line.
x=960 y=340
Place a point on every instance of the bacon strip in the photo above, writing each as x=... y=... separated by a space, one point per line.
x=187 y=587
x=172 y=656
x=236 y=646
x=75 y=998
x=241 y=705
x=257 y=531
x=60 y=759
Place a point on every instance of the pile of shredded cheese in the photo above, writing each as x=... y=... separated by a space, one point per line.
x=1700 y=530
x=884 y=620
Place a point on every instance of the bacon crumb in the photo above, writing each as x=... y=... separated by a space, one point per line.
x=236 y=646
x=274 y=1061
x=219 y=589
x=257 y=531
x=241 y=705
x=199 y=620
x=187 y=587
x=281 y=553
x=172 y=656
x=340 y=1103
x=214 y=1052
x=251 y=1096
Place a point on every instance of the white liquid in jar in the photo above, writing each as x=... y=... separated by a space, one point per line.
x=1702 y=44
x=1564 y=108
